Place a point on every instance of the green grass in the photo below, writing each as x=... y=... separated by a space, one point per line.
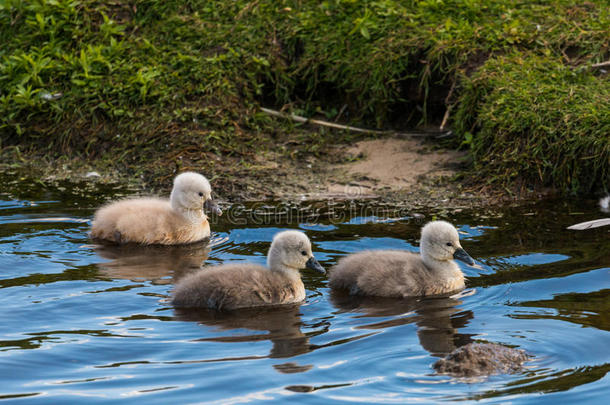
x=538 y=121
x=165 y=85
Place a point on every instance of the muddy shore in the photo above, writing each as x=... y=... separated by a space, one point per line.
x=402 y=170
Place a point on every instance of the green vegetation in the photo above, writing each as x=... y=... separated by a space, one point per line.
x=538 y=122
x=152 y=85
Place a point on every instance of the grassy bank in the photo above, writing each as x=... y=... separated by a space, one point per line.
x=149 y=87
x=537 y=121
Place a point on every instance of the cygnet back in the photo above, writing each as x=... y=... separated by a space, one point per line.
x=395 y=273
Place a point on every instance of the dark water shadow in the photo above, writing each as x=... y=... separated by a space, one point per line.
x=438 y=319
x=586 y=309
x=159 y=264
x=543 y=383
x=282 y=323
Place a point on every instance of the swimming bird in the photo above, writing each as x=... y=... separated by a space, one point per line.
x=398 y=273
x=232 y=286
x=149 y=221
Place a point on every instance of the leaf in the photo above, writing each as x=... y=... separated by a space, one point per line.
x=40 y=20
x=365 y=32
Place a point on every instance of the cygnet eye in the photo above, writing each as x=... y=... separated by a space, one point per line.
x=449 y=244
x=304 y=253
x=200 y=194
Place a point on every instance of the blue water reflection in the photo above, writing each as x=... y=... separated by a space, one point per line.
x=84 y=322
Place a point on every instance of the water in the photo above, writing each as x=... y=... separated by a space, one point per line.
x=87 y=323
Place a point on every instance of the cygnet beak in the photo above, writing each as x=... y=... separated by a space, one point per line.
x=211 y=206
x=313 y=264
x=460 y=254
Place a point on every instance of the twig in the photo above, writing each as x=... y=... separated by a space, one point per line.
x=449 y=106
x=601 y=64
x=341 y=111
x=298 y=118
x=445 y=118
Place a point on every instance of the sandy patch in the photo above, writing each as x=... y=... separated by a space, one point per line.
x=390 y=164
x=398 y=163
x=392 y=169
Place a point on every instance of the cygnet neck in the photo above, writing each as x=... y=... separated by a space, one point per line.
x=439 y=266
x=275 y=264
x=190 y=214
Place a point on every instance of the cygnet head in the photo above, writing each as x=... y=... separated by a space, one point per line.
x=441 y=242
x=192 y=191
x=292 y=250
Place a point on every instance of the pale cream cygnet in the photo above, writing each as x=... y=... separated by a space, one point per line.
x=398 y=273
x=179 y=220
x=231 y=286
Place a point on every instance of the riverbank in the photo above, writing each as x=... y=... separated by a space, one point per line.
x=145 y=89
x=403 y=171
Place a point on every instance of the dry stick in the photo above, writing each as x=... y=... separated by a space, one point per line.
x=298 y=118
x=449 y=106
x=341 y=111
x=445 y=118
x=601 y=64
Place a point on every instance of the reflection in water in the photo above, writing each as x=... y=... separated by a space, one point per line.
x=283 y=324
x=437 y=318
x=159 y=264
x=68 y=333
x=564 y=380
x=590 y=309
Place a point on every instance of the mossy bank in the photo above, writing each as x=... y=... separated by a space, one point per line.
x=148 y=88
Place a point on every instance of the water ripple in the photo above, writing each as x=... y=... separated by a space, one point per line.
x=85 y=321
